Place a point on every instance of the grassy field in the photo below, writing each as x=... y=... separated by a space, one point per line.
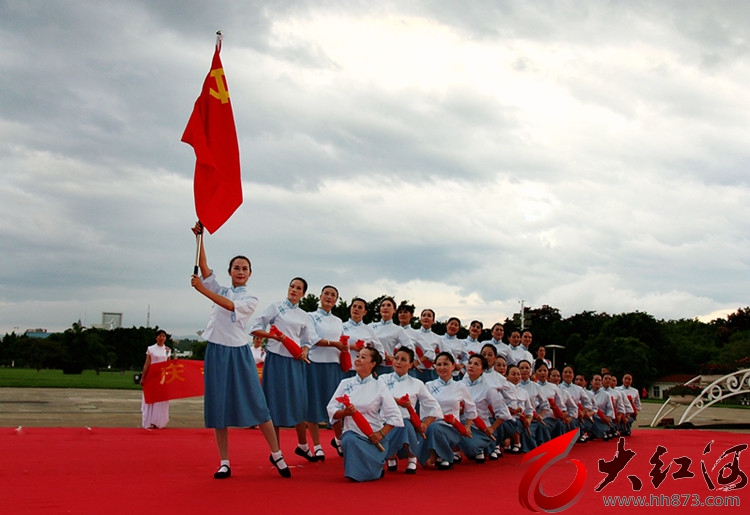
x=29 y=377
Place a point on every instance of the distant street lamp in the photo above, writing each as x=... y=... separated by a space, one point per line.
x=554 y=347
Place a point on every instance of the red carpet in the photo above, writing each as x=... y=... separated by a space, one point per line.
x=97 y=471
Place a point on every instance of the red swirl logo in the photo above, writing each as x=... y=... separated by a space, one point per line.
x=530 y=493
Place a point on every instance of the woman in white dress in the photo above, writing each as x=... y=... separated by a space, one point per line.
x=155 y=415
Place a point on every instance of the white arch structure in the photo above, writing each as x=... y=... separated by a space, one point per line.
x=722 y=388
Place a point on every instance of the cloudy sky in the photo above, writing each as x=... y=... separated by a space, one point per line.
x=463 y=155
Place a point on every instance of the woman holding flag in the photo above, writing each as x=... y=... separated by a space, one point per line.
x=155 y=415
x=233 y=396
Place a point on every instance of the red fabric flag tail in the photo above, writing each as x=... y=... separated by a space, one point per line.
x=174 y=379
x=614 y=405
x=632 y=403
x=217 y=184
x=293 y=347
x=481 y=426
x=456 y=424
x=345 y=357
x=413 y=417
x=556 y=409
x=360 y=420
x=420 y=354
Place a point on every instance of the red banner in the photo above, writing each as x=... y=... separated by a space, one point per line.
x=173 y=379
x=217 y=184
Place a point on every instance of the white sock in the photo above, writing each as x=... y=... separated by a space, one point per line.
x=338 y=442
x=224 y=463
x=279 y=455
x=303 y=446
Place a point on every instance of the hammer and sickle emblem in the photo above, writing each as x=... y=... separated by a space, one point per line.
x=222 y=93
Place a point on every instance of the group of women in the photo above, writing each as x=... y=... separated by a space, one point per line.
x=409 y=394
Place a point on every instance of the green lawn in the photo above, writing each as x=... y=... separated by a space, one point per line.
x=29 y=377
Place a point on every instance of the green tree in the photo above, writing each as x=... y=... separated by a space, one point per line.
x=309 y=303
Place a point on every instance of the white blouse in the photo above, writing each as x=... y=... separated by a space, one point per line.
x=398 y=386
x=361 y=331
x=371 y=398
x=291 y=320
x=326 y=327
x=490 y=403
x=450 y=395
x=227 y=327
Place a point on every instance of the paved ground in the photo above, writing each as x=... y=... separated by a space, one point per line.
x=67 y=407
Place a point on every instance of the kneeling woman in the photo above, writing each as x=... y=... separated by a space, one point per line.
x=441 y=437
x=404 y=441
x=492 y=412
x=363 y=460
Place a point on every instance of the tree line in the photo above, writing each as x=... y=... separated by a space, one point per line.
x=633 y=342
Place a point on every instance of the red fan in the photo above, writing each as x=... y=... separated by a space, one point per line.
x=482 y=426
x=294 y=349
x=456 y=423
x=420 y=354
x=345 y=357
x=413 y=417
x=556 y=409
x=359 y=419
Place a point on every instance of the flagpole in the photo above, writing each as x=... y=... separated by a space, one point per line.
x=198 y=242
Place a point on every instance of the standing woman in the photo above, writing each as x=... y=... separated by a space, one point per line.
x=437 y=449
x=284 y=377
x=233 y=396
x=155 y=415
x=363 y=460
x=427 y=342
x=449 y=342
x=404 y=441
x=324 y=373
x=392 y=336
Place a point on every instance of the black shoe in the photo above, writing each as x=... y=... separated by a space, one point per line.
x=392 y=465
x=319 y=455
x=305 y=454
x=411 y=470
x=337 y=447
x=223 y=472
x=445 y=465
x=284 y=472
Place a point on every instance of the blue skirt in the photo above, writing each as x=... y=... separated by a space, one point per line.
x=479 y=442
x=322 y=381
x=363 y=461
x=285 y=386
x=441 y=438
x=233 y=395
x=383 y=370
x=399 y=437
x=425 y=375
x=507 y=429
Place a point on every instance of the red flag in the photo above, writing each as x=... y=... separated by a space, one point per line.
x=217 y=184
x=359 y=419
x=173 y=379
